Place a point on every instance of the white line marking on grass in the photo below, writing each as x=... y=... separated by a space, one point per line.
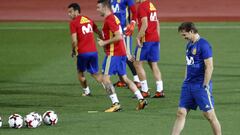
x=92 y=111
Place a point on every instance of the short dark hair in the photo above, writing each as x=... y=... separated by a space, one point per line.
x=105 y=3
x=187 y=26
x=75 y=7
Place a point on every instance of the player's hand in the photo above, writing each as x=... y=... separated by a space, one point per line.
x=139 y=44
x=206 y=87
x=129 y=29
x=74 y=53
x=130 y=57
x=100 y=35
x=100 y=42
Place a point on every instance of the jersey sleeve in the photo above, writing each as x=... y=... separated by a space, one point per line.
x=73 y=28
x=142 y=12
x=134 y=12
x=206 y=50
x=113 y=24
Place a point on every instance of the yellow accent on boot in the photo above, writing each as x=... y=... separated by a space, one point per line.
x=114 y=108
x=141 y=104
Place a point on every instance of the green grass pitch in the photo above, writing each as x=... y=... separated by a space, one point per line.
x=38 y=74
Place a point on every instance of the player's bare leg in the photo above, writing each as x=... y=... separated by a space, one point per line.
x=136 y=80
x=140 y=70
x=142 y=102
x=134 y=73
x=99 y=78
x=180 y=121
x=83 y=83
x=156 y=71
x=212 y=118
x=158 y=77
x=142 y=76
x=112 y=94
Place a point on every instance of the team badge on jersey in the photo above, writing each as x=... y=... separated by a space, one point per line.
x=118 y=1
x=194 y=51
x=84 y=20
x=152 y=8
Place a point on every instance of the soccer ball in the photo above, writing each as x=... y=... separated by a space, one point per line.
x=15 y=121
x=0 y=121
x=38 y=117
x=50 y=118
x=33 y=120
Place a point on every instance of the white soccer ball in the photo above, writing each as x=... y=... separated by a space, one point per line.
x=50 y=118
x=38 y=117
x=15 y=121
x=0 y=121
x=32 y=120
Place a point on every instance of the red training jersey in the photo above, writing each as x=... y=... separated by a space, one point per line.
x=147 y=9
x=111 y=25
x=84 y=28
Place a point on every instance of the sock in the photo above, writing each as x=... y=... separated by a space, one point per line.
x=114 y=98
x=135 y=78
x=144 y=86
x=86 y=90
x=138 y=94
x=159 y=86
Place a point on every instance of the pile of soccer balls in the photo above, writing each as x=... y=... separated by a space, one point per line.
x=32 y=120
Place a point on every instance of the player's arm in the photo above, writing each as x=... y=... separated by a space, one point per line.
x=134 y=13
x=130 y=27
x=97 y=31
x=142 y=30
x=117 y=36
x=208 y=71
x=74 y=44
x=158 y=28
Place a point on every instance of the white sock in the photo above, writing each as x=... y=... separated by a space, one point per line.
x=138 y=94
x=159 y=86
x=86 y=90
x=144 y=86
x=114 y=98
x=135 y=78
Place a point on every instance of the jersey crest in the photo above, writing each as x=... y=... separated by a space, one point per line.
x=84 y=20
x=152 y=8
x=194 y=51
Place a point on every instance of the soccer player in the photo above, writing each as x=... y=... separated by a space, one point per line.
x=125 y=10
x=148 y=47
x=115 y=59
x=197 y=86
x=83 y=46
